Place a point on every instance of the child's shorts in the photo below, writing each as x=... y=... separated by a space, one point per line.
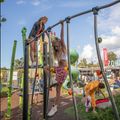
x=61 y=74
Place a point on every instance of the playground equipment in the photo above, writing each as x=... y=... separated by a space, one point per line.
x=75 y=74
x=8 y=114
x=73 y=56
x=99 y=39
x=74 y=71
x=103 y=103
x=24 y=30
x=66 y=84
x=95 y=11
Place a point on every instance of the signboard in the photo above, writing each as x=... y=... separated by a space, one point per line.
x=105 y=56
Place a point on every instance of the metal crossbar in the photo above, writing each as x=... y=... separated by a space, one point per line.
x=28 y=42
x=76 y=15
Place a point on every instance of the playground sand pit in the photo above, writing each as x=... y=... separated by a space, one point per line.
x=37 y=114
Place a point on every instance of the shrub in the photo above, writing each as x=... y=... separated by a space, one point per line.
x=4 y=92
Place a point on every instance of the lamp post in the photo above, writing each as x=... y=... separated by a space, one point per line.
x=2 y=19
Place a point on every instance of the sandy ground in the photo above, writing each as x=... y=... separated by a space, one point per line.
x=37 y=108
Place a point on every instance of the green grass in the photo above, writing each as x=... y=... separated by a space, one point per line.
x=4 y=92
x=102 y=114
x=4 y=89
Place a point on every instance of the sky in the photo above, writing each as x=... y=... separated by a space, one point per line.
x=24 y=13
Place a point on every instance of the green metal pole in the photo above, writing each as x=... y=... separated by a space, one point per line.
x=24 y=30
x=8 y=114
x=21 y=89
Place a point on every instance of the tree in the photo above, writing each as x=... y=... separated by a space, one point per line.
x=3 y=68
x=1 y=1
x=90 y=64
x=4 y=75
x=83 y=63
x=112 y=56
x=19 y=63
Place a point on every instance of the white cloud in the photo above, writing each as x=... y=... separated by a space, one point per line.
x=117 y=52
x=35 y=2
x=110 y=18
x=20 y=2
x=110 y=41
x=109 y=27
x=116 y=30
x=87 y=52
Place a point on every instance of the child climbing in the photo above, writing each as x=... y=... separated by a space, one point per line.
x=37 y=28
x=59 y=51
x=36 y=95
